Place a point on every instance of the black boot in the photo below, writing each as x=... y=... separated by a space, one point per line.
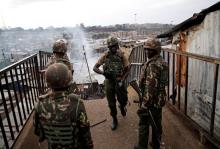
x=114 y=123
x=123 y=110
x=136 y=147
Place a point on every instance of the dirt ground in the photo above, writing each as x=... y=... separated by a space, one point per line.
x=176 y=133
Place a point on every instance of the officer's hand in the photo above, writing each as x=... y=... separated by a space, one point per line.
x=146 y=102
x=162 y=102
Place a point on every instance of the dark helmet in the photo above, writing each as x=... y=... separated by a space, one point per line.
x=153 y=44
x=60 y=46
x=58 y=76
x=112 y=41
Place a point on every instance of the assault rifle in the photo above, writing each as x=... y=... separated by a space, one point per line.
x=135 y=86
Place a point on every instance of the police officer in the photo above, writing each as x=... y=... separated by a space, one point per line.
x=115 y=70
x=59 y=54
x=60 y=116
x=153 y=80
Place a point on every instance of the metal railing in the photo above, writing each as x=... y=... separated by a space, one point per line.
x=195 y=80
x=43 y=59
x=20 y=85
x=190 y=87
x=19 y=92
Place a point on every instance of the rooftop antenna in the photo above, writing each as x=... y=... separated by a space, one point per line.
x=135 y=15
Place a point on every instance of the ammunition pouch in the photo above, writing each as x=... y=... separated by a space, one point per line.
x=60 y=134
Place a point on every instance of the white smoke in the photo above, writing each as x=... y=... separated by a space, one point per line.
x=76 y=54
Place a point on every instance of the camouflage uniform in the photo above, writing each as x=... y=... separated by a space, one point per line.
x=153 y=80
x=114 y=64
x=60 y=46
x=65 y=60
x=73 y=87
x=60 y=116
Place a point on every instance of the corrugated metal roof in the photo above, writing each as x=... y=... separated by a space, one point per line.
x=197 y=18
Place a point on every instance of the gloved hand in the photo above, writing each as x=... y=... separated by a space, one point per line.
x=162 y=102
x=146 y=102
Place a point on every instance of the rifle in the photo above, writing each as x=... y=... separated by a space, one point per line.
x=135 y=86
x=97 y=123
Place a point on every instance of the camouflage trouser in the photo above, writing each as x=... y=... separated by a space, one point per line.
x=112 y=89
x=144 y=124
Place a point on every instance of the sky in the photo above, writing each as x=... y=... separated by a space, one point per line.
x=59 y=13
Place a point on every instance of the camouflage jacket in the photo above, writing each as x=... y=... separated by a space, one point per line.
x=65 y=60
x=61 y=119
x=114 y=64
x=154 y=79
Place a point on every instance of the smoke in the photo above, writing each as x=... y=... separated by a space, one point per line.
x=78 y=55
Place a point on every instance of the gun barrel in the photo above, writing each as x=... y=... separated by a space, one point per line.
x=135 y=86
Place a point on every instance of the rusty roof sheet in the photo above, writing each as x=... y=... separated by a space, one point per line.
x=197 y=18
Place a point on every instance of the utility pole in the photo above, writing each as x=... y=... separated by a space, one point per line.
x=84 y=52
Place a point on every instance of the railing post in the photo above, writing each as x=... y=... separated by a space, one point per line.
x=41 y=60
x=38 y=75
x=174 y=81
x=186 y=87
x=214 y=99
x=3 y=133
x=35 y=77
x=168 y=90
x=179 y=80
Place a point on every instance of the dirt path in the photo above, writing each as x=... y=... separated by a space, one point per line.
x=177 y=134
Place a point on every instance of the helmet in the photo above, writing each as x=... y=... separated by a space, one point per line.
x=60 y=46
x=112 y=41
x=58 y=76
x=153 y=44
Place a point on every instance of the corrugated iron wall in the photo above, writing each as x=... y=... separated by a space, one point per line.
x=196 y=94
x=203 y=39
x=136 y=58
